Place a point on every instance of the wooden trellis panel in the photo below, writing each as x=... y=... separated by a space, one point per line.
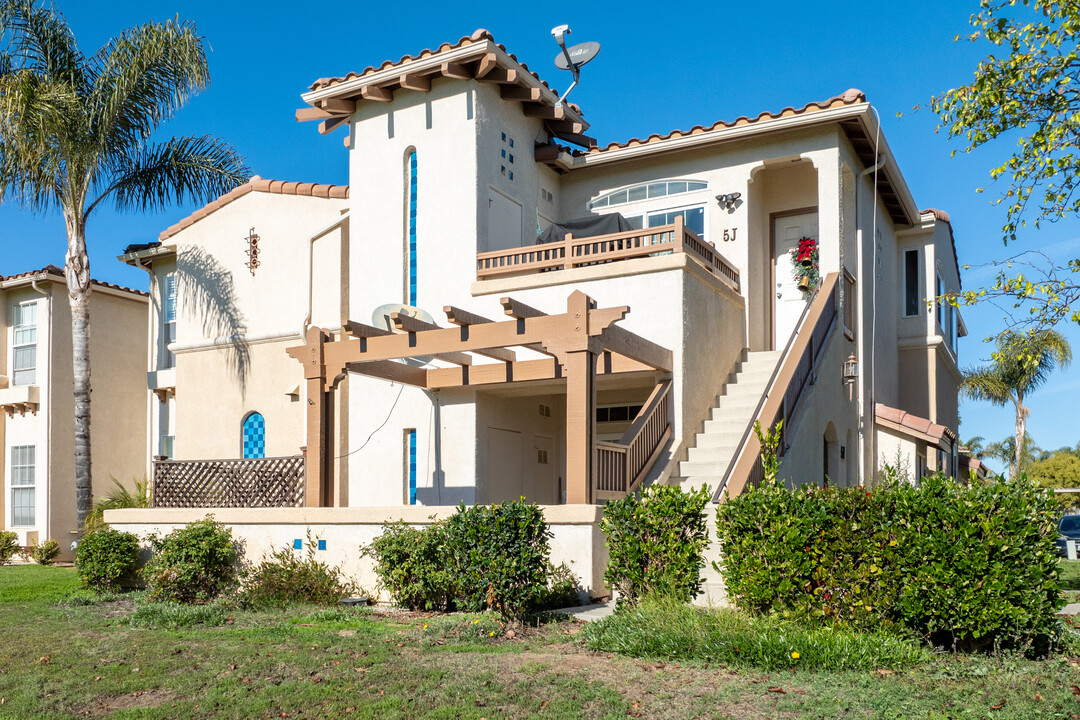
x=262 y=482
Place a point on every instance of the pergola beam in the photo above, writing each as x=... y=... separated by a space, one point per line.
x=517 y=309
x=622 y=341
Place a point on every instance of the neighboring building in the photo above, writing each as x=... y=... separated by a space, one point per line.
x=467 y=202
x=37 y=429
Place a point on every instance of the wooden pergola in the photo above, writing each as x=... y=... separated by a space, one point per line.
x=580 y=344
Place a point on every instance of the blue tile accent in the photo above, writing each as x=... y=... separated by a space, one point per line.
x=254 y=436
x=412 y=228
x=298 y=544
x=412 y=467
x=322 y=544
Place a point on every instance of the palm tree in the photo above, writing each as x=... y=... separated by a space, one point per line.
x=75 y=131
x=1005 y=450
x=974 y=447
x=1021 y=363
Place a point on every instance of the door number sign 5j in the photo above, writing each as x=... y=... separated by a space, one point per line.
x=729 y=234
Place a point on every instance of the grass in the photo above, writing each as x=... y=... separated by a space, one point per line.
x=672 y=630
x=63 y=659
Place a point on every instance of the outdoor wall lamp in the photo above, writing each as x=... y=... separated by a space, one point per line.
x=728 y=200
x=851 y=373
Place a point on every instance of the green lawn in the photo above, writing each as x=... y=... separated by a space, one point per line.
x=87 y=660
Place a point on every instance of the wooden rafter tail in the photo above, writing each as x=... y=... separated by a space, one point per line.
x=337 y=106
x=517 y=309
x=502 y=76
x=412 y=81
x=488 y=63
x=565 y=126
x=378 y=94
x=546 y=112
x=577 y=139
x=525 y=94
x=308 y=114
x=455 y=70
x=328 y=126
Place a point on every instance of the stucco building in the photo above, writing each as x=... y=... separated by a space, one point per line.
x=37 y=431
x=469 y=321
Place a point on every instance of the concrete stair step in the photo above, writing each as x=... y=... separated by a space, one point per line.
x=721 y=454
x=688 y=468
x=727 y=438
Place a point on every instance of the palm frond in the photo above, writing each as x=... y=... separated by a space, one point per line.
x=180 y=169
x=40 y=38
x=118 y=497
x=141 y=78
x=986 y=384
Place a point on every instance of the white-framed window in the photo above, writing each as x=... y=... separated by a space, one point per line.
x=911 y=283
x=22 y=485
x=647 y=191
x=168 y=321
x=24 y=343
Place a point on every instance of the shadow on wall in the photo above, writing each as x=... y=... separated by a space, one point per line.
x=209 y=294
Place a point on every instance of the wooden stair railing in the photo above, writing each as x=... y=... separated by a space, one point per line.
x=793 y=374
x=579 y=252
x=622 y=465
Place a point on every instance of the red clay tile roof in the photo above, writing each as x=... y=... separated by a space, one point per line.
x=851 y=97
x=911 y=422
x=257 y=184
x=479 y=35
x=59 y=272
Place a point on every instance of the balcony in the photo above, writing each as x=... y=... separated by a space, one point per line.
x=162 y=382
x=20 y=399
x=575 y=252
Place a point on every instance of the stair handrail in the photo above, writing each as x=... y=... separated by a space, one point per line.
x=637 y=461
x=789 y=357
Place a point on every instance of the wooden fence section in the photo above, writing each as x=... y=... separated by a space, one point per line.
x=793 y=375
x=580 y=252
x=263 y=482
x=621 y=466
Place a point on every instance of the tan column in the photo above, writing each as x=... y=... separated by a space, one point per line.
x=580 y=426
x=315 y=455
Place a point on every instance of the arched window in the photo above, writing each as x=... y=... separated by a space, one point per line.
x=410 y=250
x=254 y=439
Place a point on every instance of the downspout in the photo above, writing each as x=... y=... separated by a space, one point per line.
x=865 y=424
x=150 y=325
x=48 y=414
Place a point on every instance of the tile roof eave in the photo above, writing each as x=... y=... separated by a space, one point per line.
x=54 y=274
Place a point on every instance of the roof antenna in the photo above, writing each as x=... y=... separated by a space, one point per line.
x=573 y=58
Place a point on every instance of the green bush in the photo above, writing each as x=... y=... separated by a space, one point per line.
x=193 y=564
x=499 y=557
x=44 y=553
x=413 y=565
x=669 y=628
x=968 y=567
x=106 y=560
x=8 y=546
x=285 y=578
x=655 y=543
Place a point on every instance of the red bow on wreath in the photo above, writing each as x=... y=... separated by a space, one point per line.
x=805 y=253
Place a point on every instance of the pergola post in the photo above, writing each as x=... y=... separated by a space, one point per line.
x=315 y=455
x=580 y=426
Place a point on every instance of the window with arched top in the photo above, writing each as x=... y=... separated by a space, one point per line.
x=254 y=436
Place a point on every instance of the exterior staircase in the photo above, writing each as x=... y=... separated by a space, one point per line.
x=711 y=452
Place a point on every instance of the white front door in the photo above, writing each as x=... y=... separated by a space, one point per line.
x=789 y=300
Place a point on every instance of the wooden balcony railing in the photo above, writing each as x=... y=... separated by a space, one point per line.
x=580 y=252
x=263 y=482
x=621 y=466
x=785 y=389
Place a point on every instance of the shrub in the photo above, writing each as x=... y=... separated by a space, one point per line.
x=44 y=553
x=499 y=557
x=412 y=565
x=970 y=567
x=106 y=560
x=8 y=546
x=285 y=578
x=193 y=564
x=562 y=588
x=655 y=543
x=117 y=497
x=669 y=628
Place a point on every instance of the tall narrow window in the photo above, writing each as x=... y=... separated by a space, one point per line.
x=410 y=278
x=22 y=485
x=410 y=463
x=911 y=283
x=168 y=322
x=254 y=436
x=24 y=344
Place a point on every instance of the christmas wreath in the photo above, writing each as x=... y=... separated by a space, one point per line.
x=804 y=263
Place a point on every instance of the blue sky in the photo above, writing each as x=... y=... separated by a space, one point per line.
x=656 y=72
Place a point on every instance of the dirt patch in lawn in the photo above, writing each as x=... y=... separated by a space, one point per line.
x=651 y=689
x=105 y=704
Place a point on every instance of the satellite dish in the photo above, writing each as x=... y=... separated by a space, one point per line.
x=380 y=318
x=579 y=55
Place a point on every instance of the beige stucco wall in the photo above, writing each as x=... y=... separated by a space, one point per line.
x=577 y=540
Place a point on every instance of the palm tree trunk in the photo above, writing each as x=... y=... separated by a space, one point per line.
x=77 y=270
